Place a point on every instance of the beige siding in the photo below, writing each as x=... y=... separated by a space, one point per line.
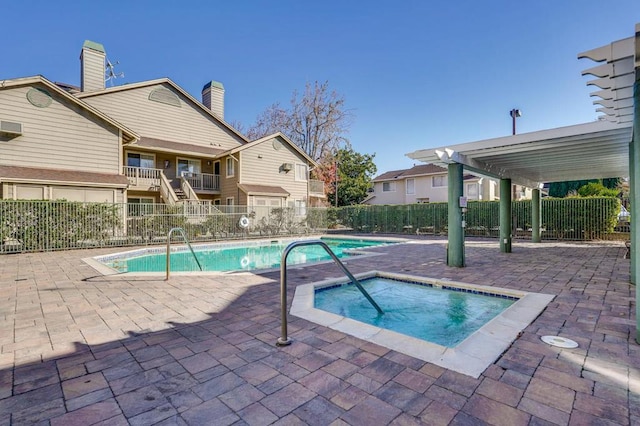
x=186 y=123
x=61 y=135
x=92 y=73
x=261 y=165
x=21 y=191
x=229 y=185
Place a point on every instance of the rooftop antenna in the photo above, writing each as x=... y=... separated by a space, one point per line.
x=110 y=74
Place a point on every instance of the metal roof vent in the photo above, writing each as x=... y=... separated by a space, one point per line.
x=39 y=97
x=165 y=96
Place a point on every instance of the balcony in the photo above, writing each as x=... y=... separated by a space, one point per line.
x=143 y=179
x=316 y=188
x=202 y=181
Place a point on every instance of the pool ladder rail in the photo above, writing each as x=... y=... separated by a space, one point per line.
x=186 y=240
x=283 y=340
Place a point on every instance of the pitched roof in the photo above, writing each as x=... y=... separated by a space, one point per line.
x=128 y=135
x=168 y=81
x=16 y=173
x=419 y=170
x=175 y=147
x=267 y=138
x=263 y=190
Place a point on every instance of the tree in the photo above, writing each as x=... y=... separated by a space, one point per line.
x=354 y=171
x=317 y=121
x=596 y=189
x=562 y=189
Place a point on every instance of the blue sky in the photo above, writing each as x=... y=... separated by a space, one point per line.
x=416 y=74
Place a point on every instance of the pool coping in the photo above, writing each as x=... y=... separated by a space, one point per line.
x=470 y=357
x=139 y=251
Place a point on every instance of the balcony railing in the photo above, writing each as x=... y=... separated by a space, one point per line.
x=202 y=181
x=316 y=188
x=143 y=177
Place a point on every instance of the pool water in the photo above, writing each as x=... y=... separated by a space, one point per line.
x=442 y=316
x=247 y=257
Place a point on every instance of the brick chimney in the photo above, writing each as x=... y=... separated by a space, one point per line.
x=213 y=97
x=92 y=69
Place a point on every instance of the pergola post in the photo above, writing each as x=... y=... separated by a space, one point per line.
x=632 y=212
x=505 y=215
x=536 y=214
x=455 y=231
x=634 y=171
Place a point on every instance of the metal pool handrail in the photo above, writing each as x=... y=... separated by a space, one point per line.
x=284 y=340
x=186 y=240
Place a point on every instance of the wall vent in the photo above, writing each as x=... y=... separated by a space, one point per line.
x=10 y=128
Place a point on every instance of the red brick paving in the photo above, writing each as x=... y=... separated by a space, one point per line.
x=82 y=349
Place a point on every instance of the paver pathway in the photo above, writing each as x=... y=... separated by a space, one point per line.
x=78 y=348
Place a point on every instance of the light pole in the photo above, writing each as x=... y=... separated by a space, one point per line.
x=514 y=113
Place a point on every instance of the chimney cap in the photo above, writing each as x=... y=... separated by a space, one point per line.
x=213 y=83
x=93 y=46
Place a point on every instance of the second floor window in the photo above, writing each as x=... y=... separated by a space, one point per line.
x=145 y=161
x=388 y=186
x=411 y=186
x=438 y=181
x=187 y=166
x=301 y=172
x=230 y=167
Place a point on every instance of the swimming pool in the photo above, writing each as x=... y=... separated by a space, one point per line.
x=422 y=310
x=471 y=356
x=225 y=257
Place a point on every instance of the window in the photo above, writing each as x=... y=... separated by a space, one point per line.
x=411 y=186
x=230 y=201
x=472 y=191
x=187 y=167
x=217 y=202
x=230 y=167
x=140 y=206
x=145 y=161
x=438 y=181
x=388 y=186
x=301 y=207
x=301 y=172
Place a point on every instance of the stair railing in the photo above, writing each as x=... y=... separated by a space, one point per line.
x=283 y=340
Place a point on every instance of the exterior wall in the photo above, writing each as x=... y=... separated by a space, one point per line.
x=262 y=165
x=229 y=185
x=186 y=123
x=92 y=70
x=60 y=136
x=424 y=190
x=389 y=197
x=26 y=191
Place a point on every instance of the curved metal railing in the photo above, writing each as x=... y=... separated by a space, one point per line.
x=283 y=340
x=186 y=240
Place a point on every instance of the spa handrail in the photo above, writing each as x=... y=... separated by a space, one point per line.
x=186 y=240
x=284 y=340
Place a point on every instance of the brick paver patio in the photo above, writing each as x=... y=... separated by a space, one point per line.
x=78 y=348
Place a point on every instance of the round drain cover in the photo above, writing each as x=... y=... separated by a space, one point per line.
x=560 y=342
